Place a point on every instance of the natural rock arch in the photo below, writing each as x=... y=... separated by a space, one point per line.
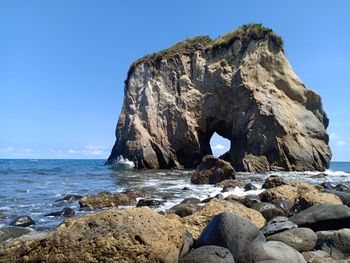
x=240 y=86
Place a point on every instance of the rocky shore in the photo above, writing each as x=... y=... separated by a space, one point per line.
x=290 y=221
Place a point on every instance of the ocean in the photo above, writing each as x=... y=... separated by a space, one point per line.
x=32 y=187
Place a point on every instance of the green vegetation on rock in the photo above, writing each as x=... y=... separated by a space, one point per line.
x=244 y=33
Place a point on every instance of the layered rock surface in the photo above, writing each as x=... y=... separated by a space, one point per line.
x=240 y=86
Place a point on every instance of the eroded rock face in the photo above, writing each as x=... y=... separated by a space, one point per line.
x=244 y=89
x=130 y=235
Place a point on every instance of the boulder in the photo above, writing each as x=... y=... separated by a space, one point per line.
x=273 y=181
x=106 y=199
x=316 y=198
x=196 y=222
x=190 y=200
x=302 y=239
x=129 y=235
x=250 y=200
x=212 y=170
x=249 y=187
x=344 y=196
x=284 y=191
x=70 y=198
x=67 y=212
x=234 y=198
x=150 y=203
x=12 y=232
x=268 y=210
x=278 y=224
x=230 y=183
x=230 y=231
x=311 y=255
x=240 y=86
x=336 y=243
x=208 y=254
x=343 y=187
x=271 y=250
x=183 y=210
x=323 y=217
x=22 y=221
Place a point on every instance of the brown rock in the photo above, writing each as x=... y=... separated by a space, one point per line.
x=230 y=183
x=212 y=170
x=105 y=199
x=312 y=198
x=284 y=191
x=234 y=198
x=130 y=235
x=240 y=86
x=196 y=222
x=273 y=181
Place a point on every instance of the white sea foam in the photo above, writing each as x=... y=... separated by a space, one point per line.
x=125 y=162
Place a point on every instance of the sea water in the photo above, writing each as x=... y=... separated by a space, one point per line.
x=32 y=187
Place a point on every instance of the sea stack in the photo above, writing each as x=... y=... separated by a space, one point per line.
x=240 y=86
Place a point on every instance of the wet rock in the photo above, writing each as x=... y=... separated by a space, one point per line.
x=272 y=250
x=183 y=210
x=7 y=233
x=311 y=255
x=286 y=205
x=218 y=196
x=230 y=183
x=249 y=187
x=22 y=221
x=212 y=170
x=234 y=198
x=273 y=181
x=328 y=185
x=129 y=235
x=323 y=217
x=250 y=200
x=105 y=199
x=67 y=212
x=302 y=239
x=230 y=231
x=319 y=175
x=343 y=187
x=190 y=200
x=150 y=203
x=268 y=210
x=70 y=198
x=208 y=254
x=196 y=222
x=336 y=243
x=316 y=198
x=278 y=224
x=186 y=188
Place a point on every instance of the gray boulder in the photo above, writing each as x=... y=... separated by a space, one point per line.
x=302 y=239
x=336 y=243
x=268 y=210
x=230 y=231
x=22 y=221
x=271 y=251
x=208 y=254
x=323 y=217
x=183 y=210
x=277 y=224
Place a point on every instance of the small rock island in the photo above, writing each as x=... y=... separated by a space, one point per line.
x=240 y=86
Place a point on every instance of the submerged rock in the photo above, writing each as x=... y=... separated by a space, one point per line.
x=70 y=198
x=22 y=221
x=129 y=235
x=212 y=170
x=240 y=86
x=64 y=212
x=7 y=233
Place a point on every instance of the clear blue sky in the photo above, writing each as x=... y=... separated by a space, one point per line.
x=63 y=63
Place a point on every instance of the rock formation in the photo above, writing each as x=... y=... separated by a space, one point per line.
x=240 y=86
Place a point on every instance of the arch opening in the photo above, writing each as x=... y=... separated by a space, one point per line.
x=219 y=145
